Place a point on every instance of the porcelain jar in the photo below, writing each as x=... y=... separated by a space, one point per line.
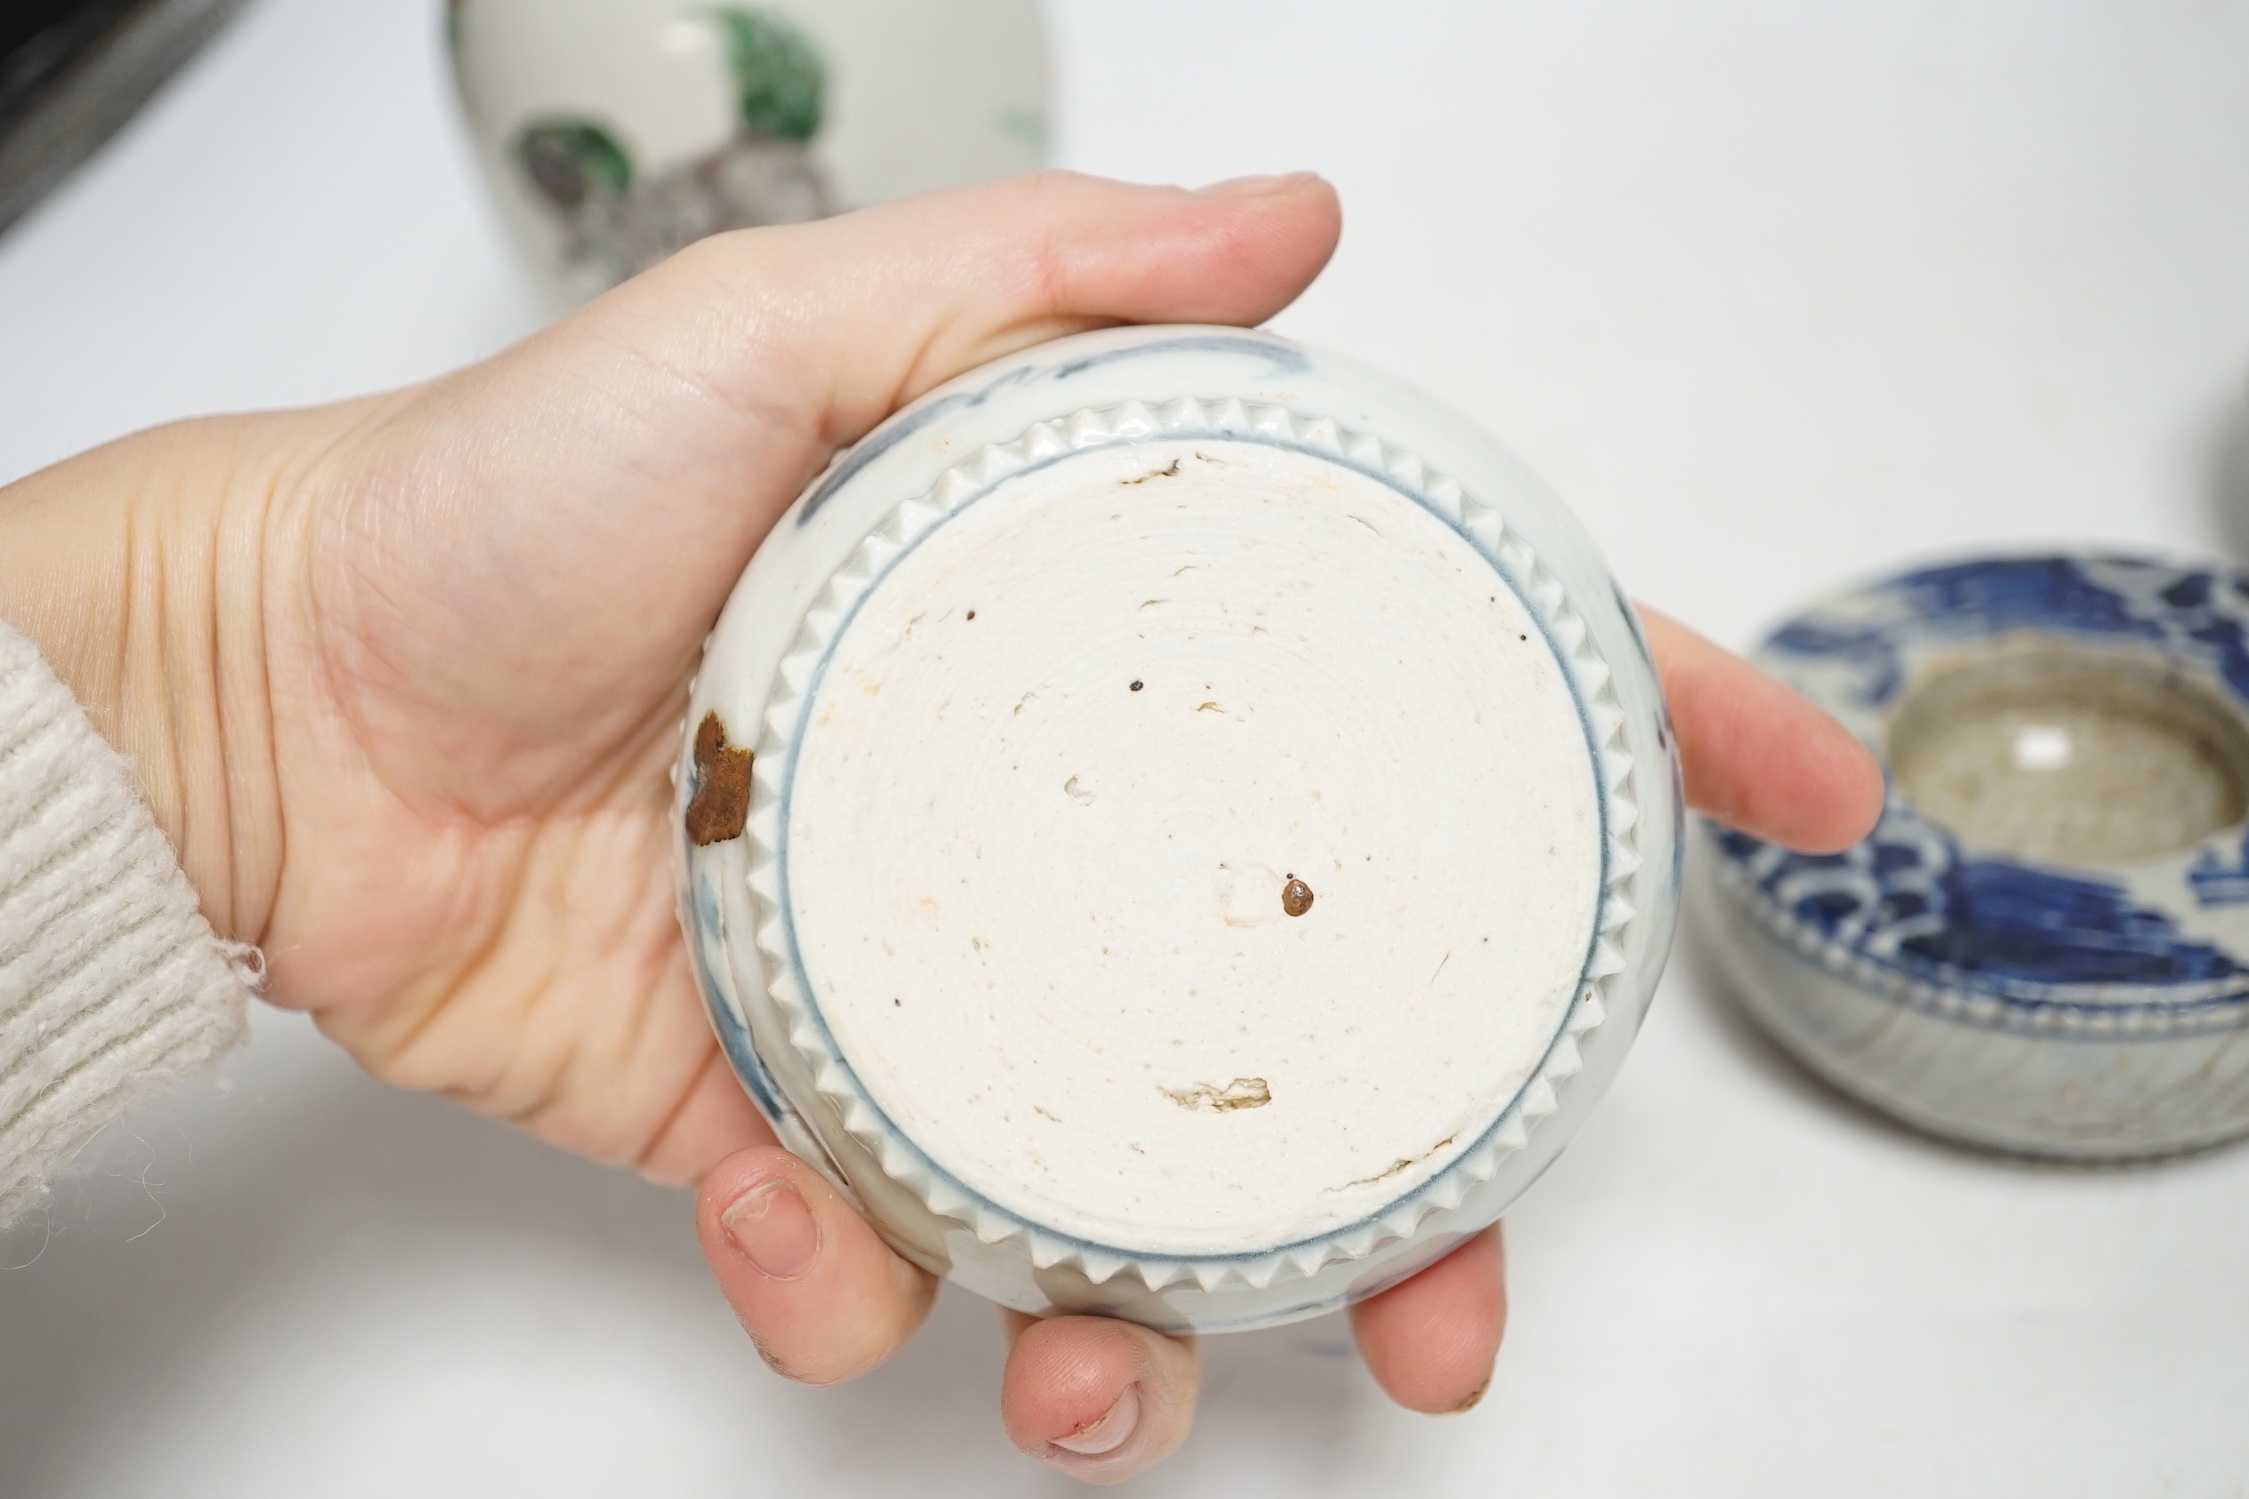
x=1177 y=825
x=2044 y=945
x=613 y=132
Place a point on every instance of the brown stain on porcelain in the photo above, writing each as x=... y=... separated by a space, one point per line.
x=720 y=808
x=1161 y=473
x=1241 y=1093
x=1401 y=1164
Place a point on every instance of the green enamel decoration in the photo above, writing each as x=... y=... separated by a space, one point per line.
x=777 y=71
x=570 y=160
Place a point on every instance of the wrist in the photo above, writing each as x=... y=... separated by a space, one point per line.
x=141 y=572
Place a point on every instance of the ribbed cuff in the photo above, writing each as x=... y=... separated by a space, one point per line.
x=112 y=984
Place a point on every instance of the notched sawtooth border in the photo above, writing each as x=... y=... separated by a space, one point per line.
x=788 y=704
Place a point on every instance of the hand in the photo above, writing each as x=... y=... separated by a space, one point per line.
x=403 y=679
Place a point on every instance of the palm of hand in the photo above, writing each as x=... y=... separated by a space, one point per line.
x=493 y=663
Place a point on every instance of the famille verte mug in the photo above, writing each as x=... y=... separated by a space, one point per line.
x=1179 y=825
x=614 y=132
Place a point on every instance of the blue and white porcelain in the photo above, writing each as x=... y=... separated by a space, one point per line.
x=2044 y=945
x=1177 y=825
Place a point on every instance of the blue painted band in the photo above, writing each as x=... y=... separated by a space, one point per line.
x=2026 y=945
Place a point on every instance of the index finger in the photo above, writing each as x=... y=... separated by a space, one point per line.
x=1758 y=756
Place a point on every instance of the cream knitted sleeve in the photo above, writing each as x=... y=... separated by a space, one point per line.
x=111 y=982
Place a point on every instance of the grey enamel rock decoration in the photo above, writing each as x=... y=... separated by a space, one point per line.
x=615 y=132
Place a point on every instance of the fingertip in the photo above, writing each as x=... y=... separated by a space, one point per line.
x=1431 y=1341
x=1263 y=185
x=1302 y=208
x=820 y=1294
x=1063 y=1374
x=1756 y=754
x=1850 y=787
x=1099 y=1399
x=1253 y=244
x=1079 y=251
x=1771 y=762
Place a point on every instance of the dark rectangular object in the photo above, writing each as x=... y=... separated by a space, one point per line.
x=73 y=71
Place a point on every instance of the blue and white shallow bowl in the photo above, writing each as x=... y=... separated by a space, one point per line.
x=2044 y=945
x=1212 y=831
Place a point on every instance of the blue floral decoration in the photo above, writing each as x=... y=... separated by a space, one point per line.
x=1999 y=940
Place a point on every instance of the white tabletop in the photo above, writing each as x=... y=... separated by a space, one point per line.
x=1778 y=296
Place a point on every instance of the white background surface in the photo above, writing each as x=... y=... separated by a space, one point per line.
x=1778 y=296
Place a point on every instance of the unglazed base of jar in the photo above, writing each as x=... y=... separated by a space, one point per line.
x=1059 y=770
x=1201 y=860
